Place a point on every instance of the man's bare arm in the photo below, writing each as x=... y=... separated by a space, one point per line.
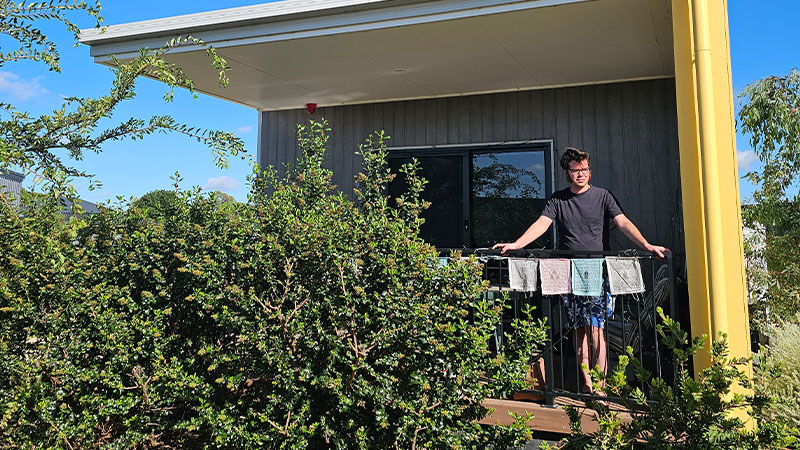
x=633 y=233
x=533 y=232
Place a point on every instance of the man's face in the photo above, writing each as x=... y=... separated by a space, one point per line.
x=578 y=173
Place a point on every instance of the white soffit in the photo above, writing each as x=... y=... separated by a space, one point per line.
x=286 y=54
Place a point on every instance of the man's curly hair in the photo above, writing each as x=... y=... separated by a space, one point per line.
x=572 y=154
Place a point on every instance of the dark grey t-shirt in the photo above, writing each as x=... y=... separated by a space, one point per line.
x=582 y=218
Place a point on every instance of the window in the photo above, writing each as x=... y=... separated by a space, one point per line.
x=480 y=195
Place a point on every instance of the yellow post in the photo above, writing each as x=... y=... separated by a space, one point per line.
x=709 y=176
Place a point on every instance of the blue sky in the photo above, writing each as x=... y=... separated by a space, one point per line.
x=763 y=35
x=764 y=41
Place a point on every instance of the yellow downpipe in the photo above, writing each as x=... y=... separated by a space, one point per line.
x=710 y=169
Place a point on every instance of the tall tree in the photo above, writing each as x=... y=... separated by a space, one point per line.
x=770 y=114
x=31 y=144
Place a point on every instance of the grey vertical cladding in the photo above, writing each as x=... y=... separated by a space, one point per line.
x=11 y=185
x=475 y=120
x=630 y=129
x=602 y=161
x=673 y=164
x=616 y=129
x=431 y=126
x=524 y=114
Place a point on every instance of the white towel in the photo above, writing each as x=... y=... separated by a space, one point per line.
x=522 y=274
x=624 y=275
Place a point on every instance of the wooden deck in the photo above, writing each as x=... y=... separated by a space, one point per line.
x=548 y=419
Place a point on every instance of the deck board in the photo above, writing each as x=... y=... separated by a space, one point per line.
x=548 y=419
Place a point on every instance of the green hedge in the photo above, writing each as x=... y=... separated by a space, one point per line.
x=301 y=319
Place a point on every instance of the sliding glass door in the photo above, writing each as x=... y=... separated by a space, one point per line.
x=480 y=195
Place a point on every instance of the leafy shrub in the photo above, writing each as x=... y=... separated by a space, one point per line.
x=782 y=356
x=702 y=413
x=301 y=319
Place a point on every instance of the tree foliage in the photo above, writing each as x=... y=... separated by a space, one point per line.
x=19 y=24
x=698 y=413
x=301 y=319
x=770 y=114
x=32 y=144
x=160 y=203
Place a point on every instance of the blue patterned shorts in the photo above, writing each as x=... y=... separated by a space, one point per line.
x=583 y=311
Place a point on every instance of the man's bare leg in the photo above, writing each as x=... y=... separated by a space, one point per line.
x=582 y=350
x=587 y=357
x=600 y=353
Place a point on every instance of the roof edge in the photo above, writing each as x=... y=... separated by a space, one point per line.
x=242 y=26
x=222 y=18
x=11 y=175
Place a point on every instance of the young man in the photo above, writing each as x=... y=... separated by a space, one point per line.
x=581 y=213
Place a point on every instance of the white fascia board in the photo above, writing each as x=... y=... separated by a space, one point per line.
x=378 y=16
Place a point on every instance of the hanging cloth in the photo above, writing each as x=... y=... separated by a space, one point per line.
x=587 y=277
x=555 y=276
x=522 y=274
x=624 y=275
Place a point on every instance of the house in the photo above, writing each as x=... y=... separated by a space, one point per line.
x=643 y=85
x=11 y=183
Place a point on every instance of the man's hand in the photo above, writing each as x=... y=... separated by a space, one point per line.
x=506 y=247
x=657 y=249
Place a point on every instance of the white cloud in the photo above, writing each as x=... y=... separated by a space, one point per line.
x=223 y=183
x=244 y=130
x=536 y=167
x=20 y=90
x=745 y=158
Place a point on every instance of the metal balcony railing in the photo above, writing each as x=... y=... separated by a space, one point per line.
x=632 y=323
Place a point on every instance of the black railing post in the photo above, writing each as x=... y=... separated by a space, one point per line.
x=656 y=344
x=673 y=310
x=561 y=345
x=549 y=385
x=640 y=333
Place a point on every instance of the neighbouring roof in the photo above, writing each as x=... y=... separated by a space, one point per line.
x=11 y=175
x=289 y=53
x=87 y=207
